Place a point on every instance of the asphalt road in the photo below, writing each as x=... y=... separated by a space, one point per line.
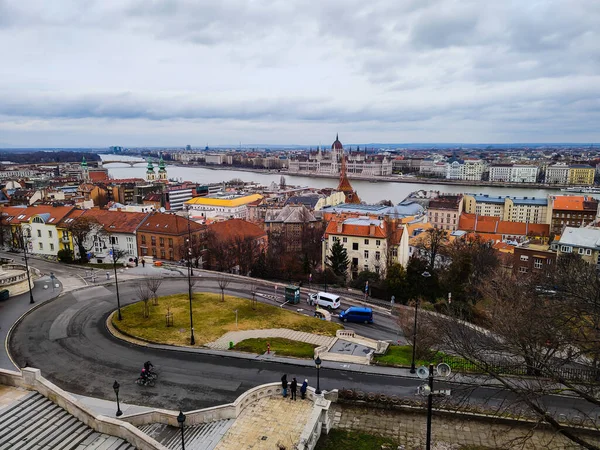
x=67 y=339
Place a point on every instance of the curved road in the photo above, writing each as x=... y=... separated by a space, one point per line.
x=67 y=339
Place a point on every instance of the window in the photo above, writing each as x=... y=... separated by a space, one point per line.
x=366 y=242
x=377 y=242
x=114 y=240
x=49 y=233
x=154 y=252
x=41 y=246
x=162 y=242
x=377 y=270
x=366 y=267
x=377 y=256
x=153 y=239
x=366 y=254
x=171 y=254
x=524 y=258
x=581 y=251
x=355 y=246
x=52 y=247
x=537 y=263
x=395 y=252
x=39 y=233
x=162 y=253
x=171 y=243
x=143 y=239
x=144 y=251
x=588 y=251
x=565 y=248
x=523 y=269
x=345 y=240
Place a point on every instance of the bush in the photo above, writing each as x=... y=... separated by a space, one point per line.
x=65 y=256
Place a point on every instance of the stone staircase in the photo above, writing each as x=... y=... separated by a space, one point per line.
x=204 y=436
x=36 y=423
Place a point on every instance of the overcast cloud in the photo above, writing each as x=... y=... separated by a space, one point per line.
x=160 y=72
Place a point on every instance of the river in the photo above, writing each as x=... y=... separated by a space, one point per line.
x=368 y=192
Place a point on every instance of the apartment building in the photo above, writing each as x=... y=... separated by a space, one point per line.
x=584 y=242
x=366 y=242
x=164 y=236
x=511 y=209
x=557 y=174
x=496 y=229
x=581 y=174
x=444 y=211
x=474 y=169
x=571 y=211
x=513 y=173
x=533 y=259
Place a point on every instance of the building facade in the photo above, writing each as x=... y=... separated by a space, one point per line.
x=571 y=211
x=557 y=174
x=513 y=173
x=581 y=174
x=444 y=211
x=330 y=162
x=533 y=259
x=512 y=209
x=584 y=242
x=227 y=206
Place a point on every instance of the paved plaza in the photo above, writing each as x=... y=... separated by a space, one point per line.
x=267 y=422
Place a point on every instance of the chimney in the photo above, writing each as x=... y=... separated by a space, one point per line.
x=372 y=229
x=340 y=226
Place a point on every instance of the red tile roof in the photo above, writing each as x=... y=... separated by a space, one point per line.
x=574 y=203
x=98 y=176
x=355 y=230
x=235 y=228
x=493 y=225
x=18 y=214
x=112 y=221
x=163 y=223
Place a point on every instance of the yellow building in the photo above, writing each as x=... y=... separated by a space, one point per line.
x=581 y=174
x=227 y=206
x=509 y=209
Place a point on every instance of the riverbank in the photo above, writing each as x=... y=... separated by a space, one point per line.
x=388 y=179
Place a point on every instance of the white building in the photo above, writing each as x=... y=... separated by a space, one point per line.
x=455 y=169
x=227 y=206
x=557 y=174
x=474 y=169
x=513 y=173
x=178 y=196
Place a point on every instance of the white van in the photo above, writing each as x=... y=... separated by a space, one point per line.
x=325 y=299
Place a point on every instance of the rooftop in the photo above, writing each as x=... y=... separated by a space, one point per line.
x=493 y=225
x=227 y=200
x=168 y=224
x=581 y=237
x=236 y=228
x=574 y=202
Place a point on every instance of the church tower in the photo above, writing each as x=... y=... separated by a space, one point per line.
x=85 y=170
x=150 y=175
x=162 y=171
x=344 y=186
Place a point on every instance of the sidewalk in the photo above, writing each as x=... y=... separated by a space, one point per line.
x=237 y=336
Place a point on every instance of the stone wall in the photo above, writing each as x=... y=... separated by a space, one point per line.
x=408 y=428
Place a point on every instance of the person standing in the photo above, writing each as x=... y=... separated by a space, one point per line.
x=294 y=388
x=303 y=389
x=284 y=385
x=143 y=262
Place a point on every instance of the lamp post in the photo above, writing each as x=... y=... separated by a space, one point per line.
x=192 y=340
x=114 y=259
x=318 y=366
x=116 y=389
x=31 y=300
x=429 y=407
x=443 y=370
x=181 y=420
x=414 y=349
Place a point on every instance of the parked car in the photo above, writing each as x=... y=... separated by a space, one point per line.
x=4 y=294
x=325 y=299
x=357 y=314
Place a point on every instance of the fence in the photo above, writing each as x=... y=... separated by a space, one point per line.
x=504 y=368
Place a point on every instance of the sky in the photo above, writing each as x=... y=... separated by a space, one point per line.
x=205 y=72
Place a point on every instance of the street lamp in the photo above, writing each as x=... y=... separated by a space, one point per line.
x=414 y=349
x=192 y=340
x=318 y=366
x=443 y=370
x=114 y=258
x=116 y=388
x=181 y=420
x=31 y=301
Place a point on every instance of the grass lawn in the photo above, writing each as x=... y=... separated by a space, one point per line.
x=282 y=347
x=401 y=355
x=352 y=440
x=212 y=319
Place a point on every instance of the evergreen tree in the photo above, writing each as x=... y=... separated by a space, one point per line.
x=338 y=259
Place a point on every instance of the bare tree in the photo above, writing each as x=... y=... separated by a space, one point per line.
x=433 y=242
x=153 y=284
x=144 y=295
x=550 y=336
x=223 y=282
x=428 y=340
x=82 y=229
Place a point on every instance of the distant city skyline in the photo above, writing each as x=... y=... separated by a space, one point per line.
x=159 y=73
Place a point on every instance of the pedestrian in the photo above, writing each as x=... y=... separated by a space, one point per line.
x=303 y=389
x=393 y=300
x=293 y=388
x=284 y=385
x=135 y=260
x=143 y=262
